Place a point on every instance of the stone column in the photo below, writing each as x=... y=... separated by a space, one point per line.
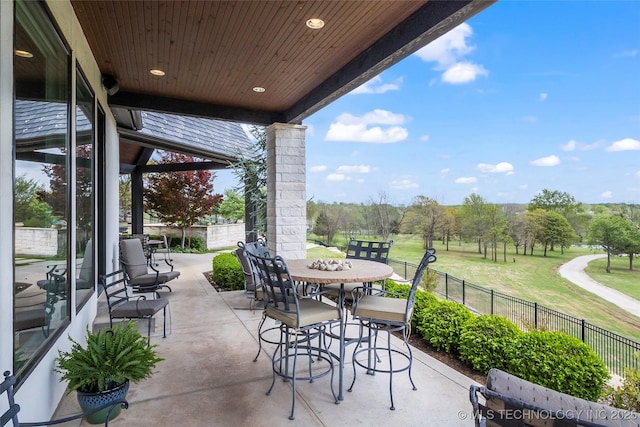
x=286 y=191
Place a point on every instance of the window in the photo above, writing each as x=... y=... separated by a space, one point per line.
x=42 y=187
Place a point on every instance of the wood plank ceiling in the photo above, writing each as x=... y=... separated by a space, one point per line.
x=215 y=52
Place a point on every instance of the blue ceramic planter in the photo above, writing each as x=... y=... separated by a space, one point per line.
x=91 y=401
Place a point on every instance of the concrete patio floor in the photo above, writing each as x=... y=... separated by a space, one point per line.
x=208 y=377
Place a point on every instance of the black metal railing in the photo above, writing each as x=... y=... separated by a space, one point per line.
x=617 y=351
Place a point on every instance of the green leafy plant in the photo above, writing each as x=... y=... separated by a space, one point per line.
x=111 y=356
x=558 y=361
x=227 y=272
x=440 y=324
x=485 y=340
x=627 y=396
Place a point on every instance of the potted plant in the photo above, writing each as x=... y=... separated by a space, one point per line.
x=101 y=370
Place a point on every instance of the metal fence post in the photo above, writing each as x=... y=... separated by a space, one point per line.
x=492 y=301
x=535 y=315
x=583 y=328
x=463 y=292
x=446 y=286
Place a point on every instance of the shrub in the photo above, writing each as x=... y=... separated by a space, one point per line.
x=626 y=396
x=227 y=272
x=558 y=361
x=440 y=324
x=485 y=340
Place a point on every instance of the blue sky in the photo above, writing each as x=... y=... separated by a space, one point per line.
x=522 y=97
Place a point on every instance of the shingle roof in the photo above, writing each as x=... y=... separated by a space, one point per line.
x=36 y=120
x=221 y=137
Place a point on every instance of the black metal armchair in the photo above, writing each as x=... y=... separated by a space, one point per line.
x=376 y=312
x=302 y=319
x=134 y=262
x=11 y=414
x=123 y=306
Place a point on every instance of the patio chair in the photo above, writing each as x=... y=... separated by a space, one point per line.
x=164 y=249
x=377 y=313
x=124 y=306
x=252 y=283
x=302 y=319
x=138 y=276
x=11 y=413
x=361 y=249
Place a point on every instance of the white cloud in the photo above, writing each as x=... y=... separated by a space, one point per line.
x=337 y=177
x=448 y=52
x=627 y=144
x=357 y=128
x=424 y=138
x=445 y=170
x=466 y=180
x=502 y=167
x=606 y=195
x=543 y=96
x=354 y=169
x=626 y=53
x=463 y=72
x=403 y=184
x=546 y=161
x=638 y=174
x=319 y=168
x=523 y=187
x=575 y=145
x=375 y=85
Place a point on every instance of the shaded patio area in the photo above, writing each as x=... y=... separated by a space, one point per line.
x=208 y=377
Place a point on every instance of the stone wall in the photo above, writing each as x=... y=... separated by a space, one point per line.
x=215 y=236
x=36 y=241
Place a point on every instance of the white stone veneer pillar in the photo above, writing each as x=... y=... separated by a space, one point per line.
x=286 y=191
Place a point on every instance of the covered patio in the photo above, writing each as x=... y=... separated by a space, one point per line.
x=209 y=378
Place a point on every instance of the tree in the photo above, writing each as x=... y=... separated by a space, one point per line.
x=425 y=217
x=616 y=235
x=555 y=230
x=473 y=218
x=386 y=217
x=498 y=230
x=555 y=201
x=534 y=227
x=124 y=189
x=251 y=171
x=180 y=198
x=29 y=209
x=232 y=206
x=327 y=223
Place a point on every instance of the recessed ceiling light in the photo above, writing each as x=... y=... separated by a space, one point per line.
x=157 y=72
x=23 y=53
x=315 y=23
x=259 y=89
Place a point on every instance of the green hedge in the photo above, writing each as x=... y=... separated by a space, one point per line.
x=227 y=272
x=440 y=324
x=558 y=361
x=485 y=340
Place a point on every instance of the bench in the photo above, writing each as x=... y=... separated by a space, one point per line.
x=11 y=414
x=510 y=401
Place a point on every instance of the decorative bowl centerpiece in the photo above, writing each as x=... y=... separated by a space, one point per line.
x=331 y=264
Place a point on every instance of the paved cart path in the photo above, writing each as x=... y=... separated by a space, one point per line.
x=574 y=272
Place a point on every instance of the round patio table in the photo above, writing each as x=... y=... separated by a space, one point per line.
x=361 y=271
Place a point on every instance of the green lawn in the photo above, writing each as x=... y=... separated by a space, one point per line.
x=621 y=278
x=533 y=278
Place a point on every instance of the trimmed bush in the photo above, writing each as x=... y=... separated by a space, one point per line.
x=485 y=340
x=227 y=272
x=440 y=324
x=558 y=361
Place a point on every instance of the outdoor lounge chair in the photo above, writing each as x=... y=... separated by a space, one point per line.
x=123 y=306
x=138 y=276
x=377 y=313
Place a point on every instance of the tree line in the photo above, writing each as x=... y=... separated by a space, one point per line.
x=552 y=220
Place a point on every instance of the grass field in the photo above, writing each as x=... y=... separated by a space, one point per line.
x=533 y=278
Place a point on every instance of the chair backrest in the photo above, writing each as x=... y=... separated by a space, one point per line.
x=11 y=414
x=428 y=258
x=114 y=286
x=249 y=282
x=279 y=288
x=259 y=248
x=133 y=257
x=369 y=250
x=144 y=240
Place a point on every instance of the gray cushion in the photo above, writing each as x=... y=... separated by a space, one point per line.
x=142 y=307
x=311 y=312
x=133 y=257
x=382 y=308
x=150 y=278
